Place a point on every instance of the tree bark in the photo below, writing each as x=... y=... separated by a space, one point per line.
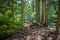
x=58 y=22
x=38 y=11
x=44 y=12
x=12 y=8
x=22 y=11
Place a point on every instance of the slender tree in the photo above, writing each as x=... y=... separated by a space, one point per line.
x=12 y=8
x=22 y=11
x=44 y=12
x=33 y=6
x=38 y=10
x=58 y=23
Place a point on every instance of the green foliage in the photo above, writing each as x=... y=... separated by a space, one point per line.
x=52 y=12
x=8 y=25
x=10 y=21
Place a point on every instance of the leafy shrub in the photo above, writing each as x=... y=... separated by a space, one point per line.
x=8 y=26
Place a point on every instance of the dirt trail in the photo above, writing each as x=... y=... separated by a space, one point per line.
x=33 y=34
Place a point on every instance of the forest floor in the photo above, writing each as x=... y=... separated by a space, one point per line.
x=33 y=34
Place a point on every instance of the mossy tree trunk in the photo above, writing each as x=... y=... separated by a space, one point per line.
x=22 y=11
x=38 y=11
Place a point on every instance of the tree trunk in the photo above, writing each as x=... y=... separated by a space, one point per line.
x=12 y=8
x=38 y=10
x=58 y=21
x=44 y=12
x=33 y=6
x=22 y=11
x=58 y=24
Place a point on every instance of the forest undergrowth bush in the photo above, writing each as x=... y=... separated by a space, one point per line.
x=8 y=26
